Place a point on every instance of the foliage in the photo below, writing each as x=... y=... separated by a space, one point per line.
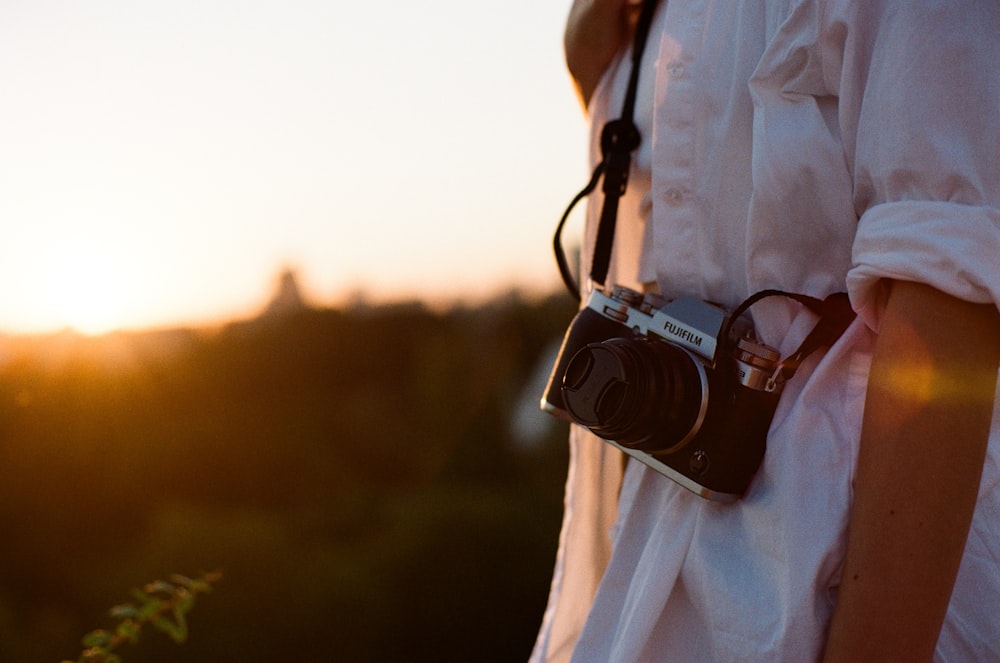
x=160 y=604
x=354 y=472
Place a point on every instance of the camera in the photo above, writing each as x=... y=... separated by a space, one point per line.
x=680 y=385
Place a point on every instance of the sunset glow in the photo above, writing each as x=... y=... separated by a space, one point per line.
x=161 y=163
x=87 y=287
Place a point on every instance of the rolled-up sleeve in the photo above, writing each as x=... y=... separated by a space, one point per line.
x=922 y=87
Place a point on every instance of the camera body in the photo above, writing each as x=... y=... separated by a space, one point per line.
x=661 y=380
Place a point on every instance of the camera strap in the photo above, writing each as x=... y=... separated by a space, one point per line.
x=619 y=139
x=835 y=315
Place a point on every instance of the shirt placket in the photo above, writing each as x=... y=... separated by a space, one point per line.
x=675 y=241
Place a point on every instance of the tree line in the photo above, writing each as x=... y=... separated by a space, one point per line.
x=355 y=474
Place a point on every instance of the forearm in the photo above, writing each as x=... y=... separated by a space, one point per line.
x=596 y=31
x=924 y=432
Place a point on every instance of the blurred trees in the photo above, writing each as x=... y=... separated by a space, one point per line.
x=353 y=473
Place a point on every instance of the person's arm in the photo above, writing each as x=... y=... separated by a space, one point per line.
x=596 y=31
x=926 y=423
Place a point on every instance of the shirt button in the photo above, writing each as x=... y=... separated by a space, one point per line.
x=674 y=197
x=675 y=69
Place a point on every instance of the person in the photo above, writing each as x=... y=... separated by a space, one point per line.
x=814 y=146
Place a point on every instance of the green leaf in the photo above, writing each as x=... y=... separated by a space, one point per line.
x=150 y=608
x=160 y=587
x=98 y=638
x=176 y=630
x=124 y=611
x=183 y=602
x=182 y=580
x=200 y=585
x=129 y=630
x=180 y=618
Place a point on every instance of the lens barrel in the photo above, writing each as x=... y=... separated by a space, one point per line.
x=644 y=394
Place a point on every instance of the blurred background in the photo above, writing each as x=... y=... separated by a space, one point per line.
x=277 y=299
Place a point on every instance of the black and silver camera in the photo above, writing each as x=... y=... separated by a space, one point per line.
x=675 y=384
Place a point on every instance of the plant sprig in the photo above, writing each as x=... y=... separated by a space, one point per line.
x=160 y=604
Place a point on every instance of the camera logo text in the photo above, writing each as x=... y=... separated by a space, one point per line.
x=682 y=333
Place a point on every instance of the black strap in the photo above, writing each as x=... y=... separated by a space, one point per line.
x=835 y=315
x=619 y=139
x=564 y=269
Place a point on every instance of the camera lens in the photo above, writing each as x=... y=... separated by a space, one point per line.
x=643 y=394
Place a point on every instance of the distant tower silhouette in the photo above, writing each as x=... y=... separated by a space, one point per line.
x=287 y=298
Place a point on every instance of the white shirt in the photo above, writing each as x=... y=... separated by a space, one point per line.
x=812 y=146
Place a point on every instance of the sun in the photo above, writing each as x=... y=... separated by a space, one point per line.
x=87 y=286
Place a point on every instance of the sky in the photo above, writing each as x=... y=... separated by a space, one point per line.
x=162 y=162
